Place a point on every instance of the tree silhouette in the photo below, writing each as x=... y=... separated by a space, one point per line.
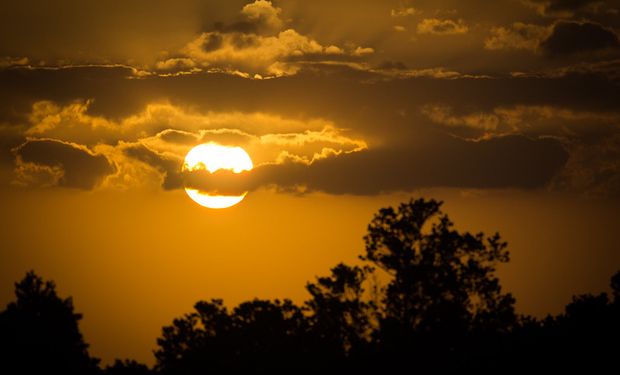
x=127 y=367
x=442 y=287
x=340 y=319
x=39 y=332
x=586 y=337
x=615 y=287
x=259 y=336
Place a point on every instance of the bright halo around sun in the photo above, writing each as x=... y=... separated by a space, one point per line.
x=212 y=157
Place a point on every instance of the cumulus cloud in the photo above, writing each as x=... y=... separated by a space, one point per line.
x=54 y=162
x=438 y=26
x=257 y=47
x=263 y=13
x=251 y=53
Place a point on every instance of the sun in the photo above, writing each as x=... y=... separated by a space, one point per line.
x=212 y=157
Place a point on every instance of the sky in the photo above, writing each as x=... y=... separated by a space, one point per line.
x=508 y=111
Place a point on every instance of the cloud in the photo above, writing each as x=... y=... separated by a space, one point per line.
x=565 y=8
x=530 y=120
x=442 y=26
x=303 y=148
x=518 y=36
x=326 y=160
x=443 y=115
x=257 y=47
x=511 y=161
x=606 y=69
x=146 y=155
x=569 y=38
x=172 y=129
x=168 y=165
x=361 y=51
x=560 y=39
x=264 y=13
x=251 y=53
x=501 y=162
x=8 y=61
x=404 y=12
x=593 y=167
x=591 y=140
x=60 y=163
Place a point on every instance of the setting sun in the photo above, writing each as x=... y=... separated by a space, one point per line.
x=212 y=157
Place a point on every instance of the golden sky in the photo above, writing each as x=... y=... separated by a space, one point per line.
x=506 y=110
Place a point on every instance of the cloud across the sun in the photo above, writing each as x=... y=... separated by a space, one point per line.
x=310 y=155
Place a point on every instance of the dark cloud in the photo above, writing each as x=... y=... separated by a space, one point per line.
x=511 y=161
x=222 y=181
x=501 y=162
x=169 y=167
x=81 y=168
x=568 y=38
x=571 y=5
x=567 y=8
x=177 y=136
x=441 y=26
x=212 y=42
x=111 y=87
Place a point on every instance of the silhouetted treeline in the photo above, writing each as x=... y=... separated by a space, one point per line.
x=440 y=309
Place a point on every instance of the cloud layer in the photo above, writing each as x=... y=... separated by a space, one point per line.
x=347 y=109
x=259 y=45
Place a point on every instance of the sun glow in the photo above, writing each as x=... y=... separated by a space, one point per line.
x=212 y=157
